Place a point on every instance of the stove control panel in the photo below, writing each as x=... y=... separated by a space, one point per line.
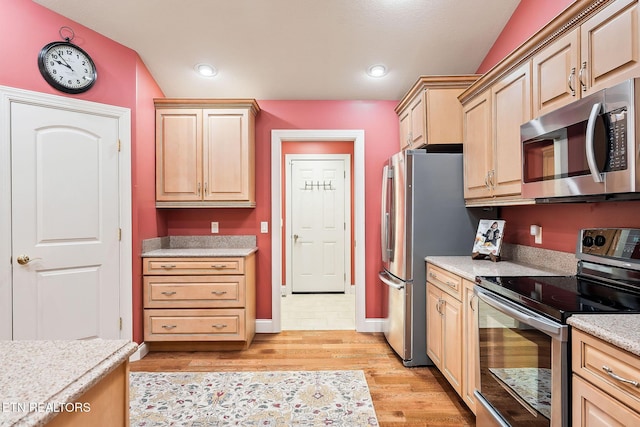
x=621 y=243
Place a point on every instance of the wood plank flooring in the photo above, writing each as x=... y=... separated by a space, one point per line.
x=401 y=396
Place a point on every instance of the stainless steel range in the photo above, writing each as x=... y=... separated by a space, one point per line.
x=524 y=336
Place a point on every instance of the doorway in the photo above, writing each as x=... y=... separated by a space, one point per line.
x=65 y=191
x=278 y=137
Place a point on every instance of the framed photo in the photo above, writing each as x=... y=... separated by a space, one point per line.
x=488 y=239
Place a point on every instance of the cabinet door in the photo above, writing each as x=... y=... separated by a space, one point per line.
x=178 y=155
x=418 y=122
x=228 y=155
x=511 y=98
x=610 y=46
x=452 y=341
x=470 y=358
x=434 y=325
x=443 y=116
x=555 y=74
x=477 y=146
x=405 y=129
x=593 y=407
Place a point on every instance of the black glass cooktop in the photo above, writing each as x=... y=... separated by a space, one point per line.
x=558 y=297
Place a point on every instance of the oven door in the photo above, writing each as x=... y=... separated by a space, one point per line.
x=524 y=376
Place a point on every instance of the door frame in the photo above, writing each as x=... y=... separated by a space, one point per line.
x=347 y=210
x=273 y=325
x=9 y=95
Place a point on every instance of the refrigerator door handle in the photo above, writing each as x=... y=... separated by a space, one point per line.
x=384 y=217
x=384 y=278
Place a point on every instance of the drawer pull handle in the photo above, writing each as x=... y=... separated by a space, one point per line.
x=167 y=266
x=219 y=266
x=168 y=293
x=169 y=326
x=219 y=326
x=218 y=292
x=617 y=377
x=451 y=285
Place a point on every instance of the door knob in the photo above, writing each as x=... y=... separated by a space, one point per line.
x=295 y=238
x=24 y=259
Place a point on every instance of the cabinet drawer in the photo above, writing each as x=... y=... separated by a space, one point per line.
x=607 y=367
x=194 y=325
x=210 y=266
x=443 y=279
x=194 y=291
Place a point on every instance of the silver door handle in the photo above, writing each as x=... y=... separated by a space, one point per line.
x=382 y=276
x=295 y=238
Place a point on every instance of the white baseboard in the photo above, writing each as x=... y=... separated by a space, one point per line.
x=142 y=351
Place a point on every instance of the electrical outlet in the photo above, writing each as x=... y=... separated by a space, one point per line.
x=214 y=227
x=264 y=227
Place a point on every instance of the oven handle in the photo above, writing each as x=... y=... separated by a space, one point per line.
x=496 y=417
x=523 y=315
x=591 y=156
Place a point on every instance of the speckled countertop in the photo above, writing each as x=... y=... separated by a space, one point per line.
x=468 y=268
x=621 y=330
x=199 y=246
x=37 y=377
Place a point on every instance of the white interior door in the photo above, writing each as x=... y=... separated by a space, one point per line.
x=318 y=226
x=65 y=224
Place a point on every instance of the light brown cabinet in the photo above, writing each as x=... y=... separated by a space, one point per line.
x=444 y=324
x=600 y=52
x=205 y=152
x=491 y=125
x=470 y=354
x=605 y=383
x=199 y=300
x=430 y=113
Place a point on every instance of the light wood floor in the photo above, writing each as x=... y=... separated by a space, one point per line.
x=401 y=396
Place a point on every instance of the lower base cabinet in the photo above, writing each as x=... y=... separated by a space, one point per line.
x=604 y=383
x=199 y=303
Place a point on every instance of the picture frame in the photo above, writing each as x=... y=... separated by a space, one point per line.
x=488 y=239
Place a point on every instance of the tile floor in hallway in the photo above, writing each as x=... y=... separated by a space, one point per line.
x=318 y=312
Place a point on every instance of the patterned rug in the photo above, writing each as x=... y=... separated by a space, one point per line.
x=275 y=398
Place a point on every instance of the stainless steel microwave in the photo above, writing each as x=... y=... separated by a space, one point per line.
x=586 y=149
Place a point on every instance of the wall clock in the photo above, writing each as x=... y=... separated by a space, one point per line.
x=66 y=67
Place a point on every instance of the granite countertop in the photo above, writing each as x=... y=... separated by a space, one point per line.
x=468 y=268
x=38 y=377
x=199 y=246
x=620 y=330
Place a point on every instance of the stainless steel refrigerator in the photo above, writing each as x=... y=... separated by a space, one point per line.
x=423 y=214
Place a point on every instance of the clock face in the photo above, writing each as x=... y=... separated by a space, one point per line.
x=66 y=67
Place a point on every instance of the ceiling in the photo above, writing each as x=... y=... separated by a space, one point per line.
x=296 y=49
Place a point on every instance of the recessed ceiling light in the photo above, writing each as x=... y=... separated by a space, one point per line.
x=377 y=70
x=206 y=70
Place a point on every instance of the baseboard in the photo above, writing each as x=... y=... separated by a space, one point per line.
x=142 y=351
x=265 y=326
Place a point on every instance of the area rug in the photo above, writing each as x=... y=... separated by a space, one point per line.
x=274 y=398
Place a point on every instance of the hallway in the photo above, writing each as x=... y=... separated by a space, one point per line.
x=318 y=312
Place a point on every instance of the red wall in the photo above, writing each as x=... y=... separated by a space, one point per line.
x=529 y=17
x=123 y=80
x=380 y=124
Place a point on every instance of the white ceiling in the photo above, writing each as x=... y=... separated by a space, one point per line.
x=296 y=49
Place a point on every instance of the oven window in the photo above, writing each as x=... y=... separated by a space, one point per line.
x=561 y=153
x=515 y=368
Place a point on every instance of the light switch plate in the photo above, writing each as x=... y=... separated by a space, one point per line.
x=214 y=227
x=264 y=227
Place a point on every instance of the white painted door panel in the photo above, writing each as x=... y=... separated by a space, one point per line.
x=318 y=226
x=65 y=218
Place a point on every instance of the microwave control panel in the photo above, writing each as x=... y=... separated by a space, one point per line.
x=621 y=243
x=617 y=139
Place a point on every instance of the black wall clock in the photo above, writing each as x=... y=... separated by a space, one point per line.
x=66 y=67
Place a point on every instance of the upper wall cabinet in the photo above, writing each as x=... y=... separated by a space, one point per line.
x=591 y=45
x=600 y=52
x=430 y=113
x=205 y=152
x=491 y=123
